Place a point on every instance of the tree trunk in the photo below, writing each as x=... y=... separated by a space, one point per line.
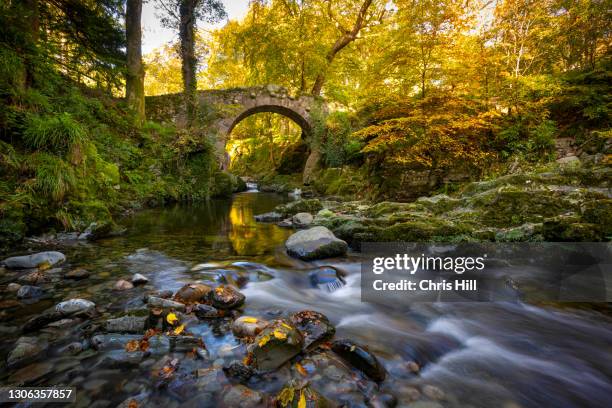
x=28 y=23
x=188 y=58
x=134 y=84
x=346 y=38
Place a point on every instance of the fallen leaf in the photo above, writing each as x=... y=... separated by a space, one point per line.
x=301 y=369
x=132 y=346
x=171 y=318
x=179 y=330
x=302 y=401
x=279 y=335
x=249 y=320
x=133 y=404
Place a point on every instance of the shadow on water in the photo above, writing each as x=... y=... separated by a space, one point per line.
x=480 y=354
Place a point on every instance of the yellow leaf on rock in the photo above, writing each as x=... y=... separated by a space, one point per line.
x=264 y=340
x=286 y=396
x=171 y=318
x=249 y=320
x=280 y=335
x=302 y=402
x=179 y=330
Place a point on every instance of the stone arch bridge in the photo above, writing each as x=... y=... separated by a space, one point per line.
x=221 y=110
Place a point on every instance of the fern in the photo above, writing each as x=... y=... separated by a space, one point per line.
x=57 y=134
x=54 y=177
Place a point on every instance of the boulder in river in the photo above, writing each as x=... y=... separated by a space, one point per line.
x=126 y=324
x=13 y=287
x=166 y=304
x=327 y=278
x=240 y=396
x=314 y=326
x=48 y=258
x=192 y=293
x=247 y=326
x=74 y=306
x=360 y=358
x=275 y=345
x=315 y=243
x=139 y=279
x=302 y=220
x=226 y=297
x=29 y=292
x=238 y=371
x=26 y=350
x=42 y=320
x=269 y=217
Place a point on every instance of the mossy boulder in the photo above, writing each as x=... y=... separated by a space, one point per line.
x=569 y=228
x=306 y=205
x=225 y=184
x=598 y=212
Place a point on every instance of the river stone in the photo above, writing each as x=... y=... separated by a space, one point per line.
x=29 y=292
x=275 y=345
x=122 y=284
x=167 y=304
x=49 y=258
x=242 y=397
x=126 y=324
x=286 y=223
x=314 y=326
x=13 y=287
x=433 y=392
x=203 y=311
x=26 y=350
x=77 y=274
x=382 y=401
x=139 y=279
x=226 y=297
x=360 y=358
x=246 y=326
x=40 y=321
x=238 y=371
x=269 y=217
x=34 y=278
x=158 y=345
x=192 y=293
x=31 y=374
x=327 y=278
x=302 y=220
x=315 y=243
x=74 y=306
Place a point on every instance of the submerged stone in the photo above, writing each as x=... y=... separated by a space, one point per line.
x=123 y=285
x=360 y=358
x=327 y=278
x=29 y=292
x=315 y=243
x=26 y=350
x=166 y=304
x=49 y=258
x=242 y=397
x=126 y=324
x=77 y=274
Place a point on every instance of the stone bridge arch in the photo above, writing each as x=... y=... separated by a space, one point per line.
x=222 y=109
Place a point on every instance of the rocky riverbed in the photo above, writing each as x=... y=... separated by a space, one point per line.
x=203 y=306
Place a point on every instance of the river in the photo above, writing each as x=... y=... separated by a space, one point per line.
x=474 y=354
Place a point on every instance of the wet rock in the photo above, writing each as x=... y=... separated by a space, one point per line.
x=360 y=358
x=269 y=217
x=382 y=401
x=226 y=297
x=123 y=285
x=275 y=345
x=165 y=304
x=315 y=243
x=164 y=294
x=49 y=258
x=247 y=326
x=413 y=367
x=13 y=287
x=26 y=350
x=327 y=278
x=286 y=223
x=126 y=324
x=73 y=348
x=139 y=279
x=158 y=345
x=98 y=230
x=203 y=311
x=192 y=293
x=40 y=321
x=299 y=206
x=29 y=292
x=77 y=274
x=64 y=323
x=74 y=306
x=210 y=379
x=302 y=220
x=294 y=395
x=433 y=392
x=122 y=359
x=35 y=277
x=185 y=343
x=314 y=326
x=242 y=397
x=30 y=374
x=238 y=371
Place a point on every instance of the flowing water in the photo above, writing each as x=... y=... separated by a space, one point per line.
x=475 y=354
